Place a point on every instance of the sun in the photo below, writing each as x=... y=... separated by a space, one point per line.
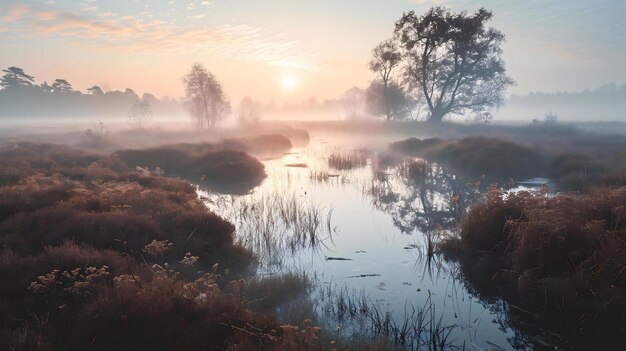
x=289 y=82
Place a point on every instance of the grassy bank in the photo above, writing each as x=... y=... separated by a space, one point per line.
x=473 y=157
x=500 y=160
x=223 y=167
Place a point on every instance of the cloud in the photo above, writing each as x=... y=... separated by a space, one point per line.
x=430 y=2
x=129 y=34
x=13 y=13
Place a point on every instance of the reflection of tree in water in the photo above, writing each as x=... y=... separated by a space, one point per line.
x=420 y=196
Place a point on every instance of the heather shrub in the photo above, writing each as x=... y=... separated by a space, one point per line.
x=475 y=156
x=96 y=255
x=222 y=169
x=562 y=256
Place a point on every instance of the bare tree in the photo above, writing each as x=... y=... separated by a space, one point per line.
x=140 y=112
x=385 y=58
x=453 y=60
x=354 y=101
x=207 y=100
x=249 y=112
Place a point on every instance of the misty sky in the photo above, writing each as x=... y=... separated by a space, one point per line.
x=291 y=50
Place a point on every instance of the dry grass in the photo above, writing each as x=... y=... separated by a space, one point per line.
x=563 y=257
x=80 y=269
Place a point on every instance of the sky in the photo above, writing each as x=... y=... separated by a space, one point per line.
x=290 y=50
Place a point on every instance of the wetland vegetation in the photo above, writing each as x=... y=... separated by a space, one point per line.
x=409 y=212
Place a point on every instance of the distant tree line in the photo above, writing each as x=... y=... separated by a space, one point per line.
x=605 y=103
x=20 y=96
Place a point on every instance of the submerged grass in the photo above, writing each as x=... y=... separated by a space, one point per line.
x=422 y=327
x=275 y=225
x=346 y=161
x=267 y=293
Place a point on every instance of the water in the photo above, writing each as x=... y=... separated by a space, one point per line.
x=367 y=232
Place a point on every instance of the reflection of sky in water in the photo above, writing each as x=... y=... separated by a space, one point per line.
x=368 y=237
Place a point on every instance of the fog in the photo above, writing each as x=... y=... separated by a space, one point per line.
x=342 y=188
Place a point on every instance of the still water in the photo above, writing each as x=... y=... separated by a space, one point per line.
x=366 y=236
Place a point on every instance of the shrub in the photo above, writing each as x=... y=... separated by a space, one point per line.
x=496 y=159
x=562 y=256
x=77 y=229
x=222 y=169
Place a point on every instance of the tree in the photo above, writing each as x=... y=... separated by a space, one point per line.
x=95 y=90
x=130 y=93
x=353 y=102
x=389 y=100
x=14 y=77
x=140 y=112
x=483 y=117
x=45 y=87
x=61 y=86
x=385 y=58
x=550 y=118
x=453 y=61
x=249 y=112
x=207 y=100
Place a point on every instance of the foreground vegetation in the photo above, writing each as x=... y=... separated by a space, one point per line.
x=97 y=255
x=559 y=261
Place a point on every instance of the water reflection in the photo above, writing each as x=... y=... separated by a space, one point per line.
x=420 y=196
x=380 y=224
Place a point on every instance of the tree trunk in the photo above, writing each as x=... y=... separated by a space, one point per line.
x=436 y=115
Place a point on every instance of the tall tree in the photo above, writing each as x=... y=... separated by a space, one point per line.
x=14 y=77
x=453 y=60
x=207 y=100
x=385 y=58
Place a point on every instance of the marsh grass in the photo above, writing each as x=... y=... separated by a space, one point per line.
x=559 y=258
x=276 y=225
x=422 y=327
x=322 y=176
x=267 y=293
x=347 y=161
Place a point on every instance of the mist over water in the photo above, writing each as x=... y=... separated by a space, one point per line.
x=216 y=175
